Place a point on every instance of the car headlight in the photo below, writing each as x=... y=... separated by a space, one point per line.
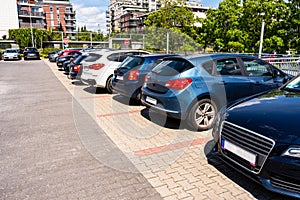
x=63 y=59
x=293 y=151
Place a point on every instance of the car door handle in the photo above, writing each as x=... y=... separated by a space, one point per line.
x=257 y=83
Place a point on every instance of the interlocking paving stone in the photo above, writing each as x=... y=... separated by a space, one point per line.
x=148 y=140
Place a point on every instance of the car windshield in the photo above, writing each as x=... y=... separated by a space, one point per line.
x=293 y=85
x=30 y=49
x=11 y=51
x=131 y=62
x=172 y=67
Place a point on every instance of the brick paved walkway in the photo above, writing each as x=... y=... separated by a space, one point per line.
x=90 y=145
x=175 y=160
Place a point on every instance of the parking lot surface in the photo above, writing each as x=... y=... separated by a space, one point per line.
x=61 y=139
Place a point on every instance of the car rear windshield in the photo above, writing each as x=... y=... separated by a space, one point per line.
x=131 y=62
x=31 y=49
x=172 y=67
x=92 y=57
x=11 y=51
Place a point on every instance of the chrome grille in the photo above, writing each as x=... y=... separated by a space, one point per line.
x=285 y=183
x=248 y=140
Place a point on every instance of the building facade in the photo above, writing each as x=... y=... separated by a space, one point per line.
x=60 y=16
x=9 y=18
x=126 y=15
x=56 y=15
x=30 y=14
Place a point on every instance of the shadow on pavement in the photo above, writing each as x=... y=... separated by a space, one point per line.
x=77 y=82
x=126 y=100
x=163 y=120
x=255 y=189
x=95 y=90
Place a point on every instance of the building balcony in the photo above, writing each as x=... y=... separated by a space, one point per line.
x=70 y=19
x=70 y=12
x=70 y=25
x=25 y=13
x=34 y=25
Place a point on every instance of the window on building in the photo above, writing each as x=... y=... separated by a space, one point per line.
x=51 y=9
x=68 y=9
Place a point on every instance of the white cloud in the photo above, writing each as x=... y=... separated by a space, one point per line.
x=94 y=18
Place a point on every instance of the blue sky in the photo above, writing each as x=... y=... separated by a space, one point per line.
x=92 y=12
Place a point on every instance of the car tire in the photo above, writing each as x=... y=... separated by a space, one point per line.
x=109 y=86
x=202 y=115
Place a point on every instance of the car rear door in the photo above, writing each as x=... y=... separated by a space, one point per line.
x=232 y=79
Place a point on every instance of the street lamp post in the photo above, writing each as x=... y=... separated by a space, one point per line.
x=31 y=32
x=36 y=2
x=261 y=38
x=261 y=35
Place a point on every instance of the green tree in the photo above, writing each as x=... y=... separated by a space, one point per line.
x=233 y=27
x=174 y=15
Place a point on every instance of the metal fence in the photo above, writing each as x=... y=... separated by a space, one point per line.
x=290 y=65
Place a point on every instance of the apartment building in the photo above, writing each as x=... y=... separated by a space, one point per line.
x=57 y=15
x=30 y=14
x=9 y=18
x=60 y=16
x=125 y=15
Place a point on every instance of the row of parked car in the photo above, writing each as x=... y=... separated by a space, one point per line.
x=251 y=105
x=16 y=54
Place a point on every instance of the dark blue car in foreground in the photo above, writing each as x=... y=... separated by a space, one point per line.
x=260 y=137
x=129 y=77
x=195 y=88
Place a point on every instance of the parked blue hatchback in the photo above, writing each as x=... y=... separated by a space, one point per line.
x=130 y=75
x=194 y=88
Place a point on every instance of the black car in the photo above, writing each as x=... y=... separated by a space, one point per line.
x=130 y=75
x=60 y=61
x=75 y=68
x=260 y=137
x=31 y=53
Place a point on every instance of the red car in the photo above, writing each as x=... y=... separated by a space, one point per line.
x=68 y=52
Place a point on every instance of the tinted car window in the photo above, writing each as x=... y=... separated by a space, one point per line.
x=92 y=57
x=114 y=57
x=149 y=63
x=256 y=67
x=131 y=62
x=31 y=49
x=208 y=66
x=172 y=67
x=229 y=67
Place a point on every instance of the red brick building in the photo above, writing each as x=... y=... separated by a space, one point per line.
x=57 y=15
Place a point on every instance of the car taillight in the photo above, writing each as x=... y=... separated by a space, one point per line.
x=96 y=66
x=178 y=84
x=76 y=68
x=146 y=78
x=133 y=75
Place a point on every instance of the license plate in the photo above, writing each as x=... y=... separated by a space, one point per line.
x=119 y=78
x=239 y=151
x=32 y=54
x=151 y=100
